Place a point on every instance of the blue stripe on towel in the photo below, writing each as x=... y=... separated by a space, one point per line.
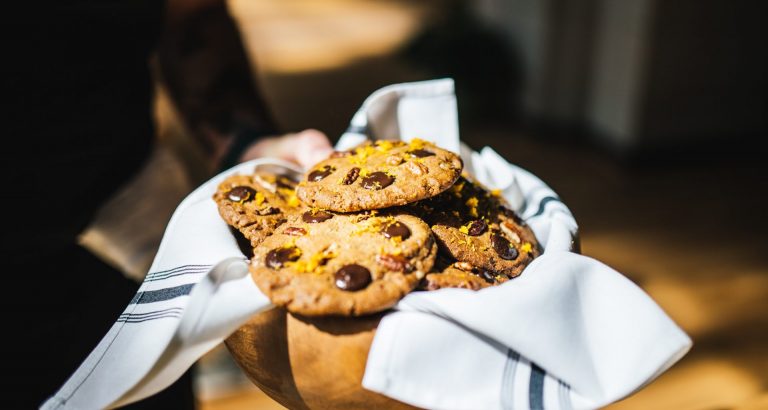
x=536 y=388
x=154 y=312
x=508 y=380
x=143 y=317
x=160 y=295
x=564 y=396
x=357 y=129
x=162 y=273
x=543 y=204
x=188 y=271
x=139 y=320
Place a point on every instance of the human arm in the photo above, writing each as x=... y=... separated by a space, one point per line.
x=203 y=64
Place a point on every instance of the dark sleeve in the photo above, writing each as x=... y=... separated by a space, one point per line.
x=204 y=66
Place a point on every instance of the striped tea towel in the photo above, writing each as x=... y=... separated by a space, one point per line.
x=198 y=291
x=570 y=332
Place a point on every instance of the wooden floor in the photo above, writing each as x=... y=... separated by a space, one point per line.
x=694 y=235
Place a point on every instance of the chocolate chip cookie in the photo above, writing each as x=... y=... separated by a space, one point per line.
x=379 y=175
x=323 y=263
x=257 y=204
x=475 y=226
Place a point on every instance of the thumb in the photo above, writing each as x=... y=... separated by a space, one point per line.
x=312 y=146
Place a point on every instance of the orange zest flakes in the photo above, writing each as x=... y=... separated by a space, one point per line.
x=286 y=192
x=289 y=196
x=526 y=247
x=315 y=263
x=465 y=228
x=472 y=204
x=259 y=198
x=417 y=143
x=456 y=189
x=384 y=145
x=361 y=155
x=295 y=253
x=373 y=224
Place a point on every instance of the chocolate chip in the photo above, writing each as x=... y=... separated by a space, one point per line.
x=396 y=229
x=477 y=227
x=276 y=258
x=351 y=176
x=241 y=194
x=352 y=277
x=501 y=246
x=316 y=217
x=294 y=231
x=283 y=182
x=319 y=174
x=396 y=263
x=377 y=180
x=486 y=275
x=421 y=153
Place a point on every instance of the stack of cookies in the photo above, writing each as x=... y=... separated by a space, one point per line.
x=367 y=226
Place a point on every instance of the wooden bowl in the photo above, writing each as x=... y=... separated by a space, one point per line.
x=309 y=363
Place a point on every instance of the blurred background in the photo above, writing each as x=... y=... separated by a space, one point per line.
x=646 y=116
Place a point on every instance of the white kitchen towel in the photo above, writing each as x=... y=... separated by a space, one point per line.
x=570 y=332
x=197 y=292
x=593 y=336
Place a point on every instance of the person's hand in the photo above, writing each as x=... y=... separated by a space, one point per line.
x=305 y=148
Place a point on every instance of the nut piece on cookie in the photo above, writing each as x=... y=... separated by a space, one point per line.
x=257 y=204
x=378 y=175
x=324 y=263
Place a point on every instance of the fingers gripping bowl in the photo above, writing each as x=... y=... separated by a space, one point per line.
x=340 y=247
